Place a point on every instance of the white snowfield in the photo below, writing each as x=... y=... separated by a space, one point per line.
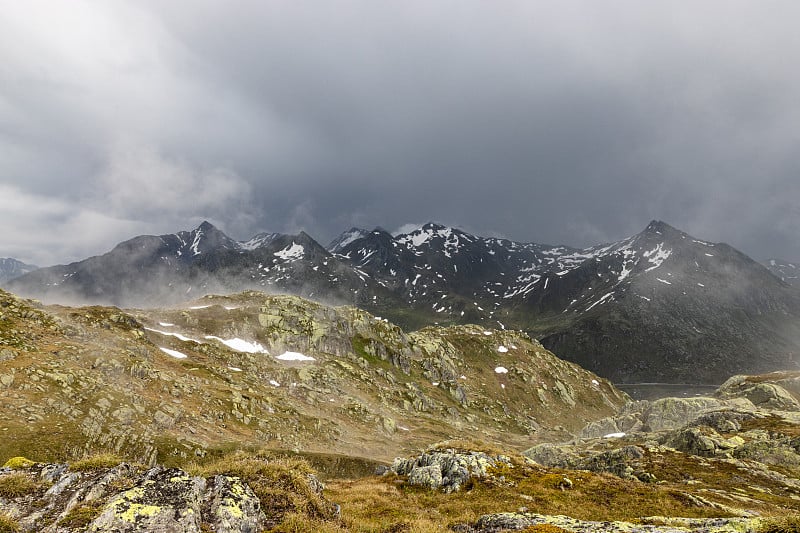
x=294 y=356
x=295 y=251
x=502 y=349
x=173 y=353
x=501 y=370
x=240 y=345
x=173 y=334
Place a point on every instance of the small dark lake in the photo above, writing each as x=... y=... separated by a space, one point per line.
x=654 y=391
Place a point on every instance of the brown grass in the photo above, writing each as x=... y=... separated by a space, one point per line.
x=8 y=524
x=95 y=462
x=788 y=524
x=282 y=484
x=16 y=484
x=80 y=516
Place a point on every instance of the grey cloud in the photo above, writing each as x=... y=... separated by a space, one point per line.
x=562 y=122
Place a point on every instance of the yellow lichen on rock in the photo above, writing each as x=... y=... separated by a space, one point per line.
x=137 y=510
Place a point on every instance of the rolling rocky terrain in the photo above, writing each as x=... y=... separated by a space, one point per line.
x=660 y=306
x=272 y=371
x=727 y=463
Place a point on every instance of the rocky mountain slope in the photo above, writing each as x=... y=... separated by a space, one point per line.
x=658 y=306
x=272 y=371
x=728 y=463
x=11 y=268
x=788 y=271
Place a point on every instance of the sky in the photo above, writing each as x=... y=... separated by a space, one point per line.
x=560 y=122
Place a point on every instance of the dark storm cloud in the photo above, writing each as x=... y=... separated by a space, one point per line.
x=562 y=122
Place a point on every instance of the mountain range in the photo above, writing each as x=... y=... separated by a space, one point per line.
x=658 y=306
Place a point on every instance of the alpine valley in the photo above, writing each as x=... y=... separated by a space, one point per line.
x=660 y=306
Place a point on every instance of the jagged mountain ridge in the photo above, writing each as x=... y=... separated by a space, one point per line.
x=658 y=306
x=148 y=271
x=11 y=268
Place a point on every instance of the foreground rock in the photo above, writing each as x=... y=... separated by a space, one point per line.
x=495 y=523
x=125 y=499
x=448 y=469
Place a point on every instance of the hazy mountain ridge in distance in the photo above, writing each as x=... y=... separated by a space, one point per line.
x=788 y=271
x=11 y=268
x=658 y=306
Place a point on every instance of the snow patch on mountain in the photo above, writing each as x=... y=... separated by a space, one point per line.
x=657 y=256
x=173 y=353
x=294 y=356
x=259 y=241
x=291 y=253
x=240 y=345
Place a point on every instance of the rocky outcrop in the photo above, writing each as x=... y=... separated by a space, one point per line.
x=496 y=523
x=773 y=394
x=126 y=499
x=666 y=413
x=625 y=462
x=448 y=469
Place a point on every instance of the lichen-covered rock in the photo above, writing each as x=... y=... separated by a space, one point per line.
x=694 y=441
x=658 y=415
x=622 y=462
x=496 y=523
x=548 y=454
x=426 y=476
x=167 y=500
x=447 y=469
x=126 y=498
x=233 y=507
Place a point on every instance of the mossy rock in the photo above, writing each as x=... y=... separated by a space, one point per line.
x=18 y=463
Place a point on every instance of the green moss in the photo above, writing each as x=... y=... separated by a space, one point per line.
x=17 y=463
